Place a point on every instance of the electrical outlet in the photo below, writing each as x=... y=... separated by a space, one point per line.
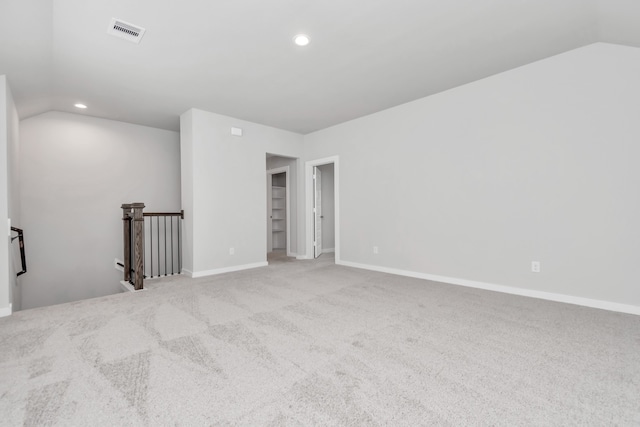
x=535 y=266
x=375 y=250
x=232 y=251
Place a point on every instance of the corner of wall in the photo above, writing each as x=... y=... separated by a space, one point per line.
x=5 y=270
x=226 y=176
x=186 y=186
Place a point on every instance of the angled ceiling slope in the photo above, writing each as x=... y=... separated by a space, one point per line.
x=238 y=58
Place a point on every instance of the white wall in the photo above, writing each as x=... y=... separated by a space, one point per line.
x=537 y=163
x=5 y=287
x=223 y=180
x=10 y=291
x=277 y=162
x=76 y=171
x=186 y=188
x=328 y=205
x=13 y=188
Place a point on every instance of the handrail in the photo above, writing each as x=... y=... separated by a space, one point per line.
x=180 y=214
x=23 y=257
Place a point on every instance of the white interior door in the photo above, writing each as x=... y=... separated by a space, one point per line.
x=317 y=212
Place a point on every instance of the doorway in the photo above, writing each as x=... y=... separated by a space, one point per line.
x=278 y=210
x=322 y=202
x=281 y=215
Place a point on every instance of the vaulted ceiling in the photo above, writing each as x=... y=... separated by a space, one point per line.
x=236 y=57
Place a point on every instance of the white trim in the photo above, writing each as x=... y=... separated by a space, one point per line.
x=302 y=257
x=6 y=311
x=227 y=269
x=187 y=273
x=128 y=287
x=328 y=250
x=586 y=302
x=309 y=203
x=285 y=169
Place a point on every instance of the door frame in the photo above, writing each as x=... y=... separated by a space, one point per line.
x=317 y=212
x=272 y=172
x=309 y=195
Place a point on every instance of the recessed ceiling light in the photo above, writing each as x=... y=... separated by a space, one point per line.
x=301 y=40
x=81 y=106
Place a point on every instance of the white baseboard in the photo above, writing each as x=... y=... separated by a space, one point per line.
x=587 y=302
x=224 y=269
x=303 y=257
x=6 y=311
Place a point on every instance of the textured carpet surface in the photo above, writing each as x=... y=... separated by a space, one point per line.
x=312 y=343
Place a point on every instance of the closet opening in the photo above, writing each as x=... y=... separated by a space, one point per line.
x=281 y=202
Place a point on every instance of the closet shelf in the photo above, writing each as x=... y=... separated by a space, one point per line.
x=278 y=212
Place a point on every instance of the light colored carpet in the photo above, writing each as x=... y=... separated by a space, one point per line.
x=312 y=343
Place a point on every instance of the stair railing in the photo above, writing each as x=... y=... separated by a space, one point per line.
x=152 y=244
x=163 y=248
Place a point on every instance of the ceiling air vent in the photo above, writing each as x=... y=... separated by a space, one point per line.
x=125 y=30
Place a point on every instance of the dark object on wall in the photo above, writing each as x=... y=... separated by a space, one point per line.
x=23 y=258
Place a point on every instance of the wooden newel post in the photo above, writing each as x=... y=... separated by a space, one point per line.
x=138 y=242
x=126 y=235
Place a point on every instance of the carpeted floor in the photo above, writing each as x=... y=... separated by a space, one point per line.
x=312 y=343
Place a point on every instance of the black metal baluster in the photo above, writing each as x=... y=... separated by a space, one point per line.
x=172 y=272
x=158 y=227
x=131 y=251
x=145 y=267
x=144 y=252
x=151 y=243
x=131 y=254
